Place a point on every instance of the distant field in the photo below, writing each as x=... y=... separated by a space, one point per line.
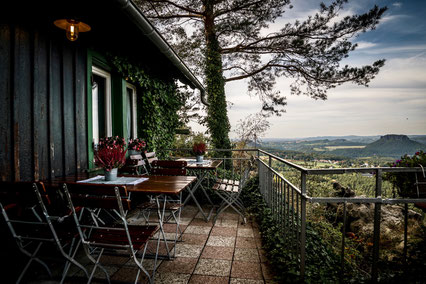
x=331 y=148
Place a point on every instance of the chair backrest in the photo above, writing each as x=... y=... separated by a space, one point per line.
x=24 y=206
x=169 y=168
x=21 y=193
x=149 y=157
x=101 y=196
x=104 y=196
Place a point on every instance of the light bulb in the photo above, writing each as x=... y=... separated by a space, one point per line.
x=72 y=30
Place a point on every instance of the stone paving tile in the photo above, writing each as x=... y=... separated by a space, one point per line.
x=245 y=232
x=258 y=242
x=184 y=250
x=190 y=208
x=214 y=267
x=201 y=222
x=194 y=239
x=201 y=230
x=148 y=264
x=185 y=221
x=230 y=216
x=245 y=242
x=218 y=252
x=245 y=281
x=246 y=270
x=169 y=236
x=168 y=278
x=178 y=265
x=171 y=228
x=128 y=274
x=247 y=225
x=223 y=231
x=246 y=254
x=152 y=247
x=203 y=279
x=99 y=273
x=226 y=223
x=219 y=241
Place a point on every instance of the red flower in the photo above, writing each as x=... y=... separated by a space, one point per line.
x=110 y=153
x=199 y=148
x=137 y=144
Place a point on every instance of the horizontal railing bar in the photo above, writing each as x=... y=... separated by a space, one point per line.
x=361 y=170
x=283 y=161
x=219 y=150
x=365 y=200
x=283 y=178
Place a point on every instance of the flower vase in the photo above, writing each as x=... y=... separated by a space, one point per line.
x=111 y=175
x=200 y=158
x=133 y=152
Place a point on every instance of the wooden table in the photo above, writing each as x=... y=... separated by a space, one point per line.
x=201 y=170
x=170 y=185
x=155 y=185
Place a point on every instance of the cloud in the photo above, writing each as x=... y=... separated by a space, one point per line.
x=365 y=45
x=397 y=4
x=393 y=18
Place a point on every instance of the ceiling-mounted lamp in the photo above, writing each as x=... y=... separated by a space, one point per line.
x=72 y=27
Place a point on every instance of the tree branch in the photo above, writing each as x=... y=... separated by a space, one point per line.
x=187 y=9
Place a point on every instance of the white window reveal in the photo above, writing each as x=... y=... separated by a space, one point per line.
x=131 y=109
x=101 y=104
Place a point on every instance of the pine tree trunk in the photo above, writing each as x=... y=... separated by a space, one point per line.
x=217 y=113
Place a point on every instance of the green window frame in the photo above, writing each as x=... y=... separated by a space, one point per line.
x=118 y=101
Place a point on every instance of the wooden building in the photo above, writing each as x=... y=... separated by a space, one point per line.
x=58 y=96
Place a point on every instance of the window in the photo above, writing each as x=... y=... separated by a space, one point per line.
x=131 y=109
x=101 y=104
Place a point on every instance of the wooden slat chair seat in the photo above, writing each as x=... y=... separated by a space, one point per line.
x=119 y=236
x=26 y=209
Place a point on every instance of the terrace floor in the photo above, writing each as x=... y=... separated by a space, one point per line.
x=228 y=252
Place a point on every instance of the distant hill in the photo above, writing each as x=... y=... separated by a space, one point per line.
x=393 y=145
x=390 y=145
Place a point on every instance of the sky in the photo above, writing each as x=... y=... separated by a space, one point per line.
x=394 y=102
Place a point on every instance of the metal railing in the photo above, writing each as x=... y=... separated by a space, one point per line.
x=288 y=203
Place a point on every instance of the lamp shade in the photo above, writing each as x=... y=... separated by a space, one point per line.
x=72 y=27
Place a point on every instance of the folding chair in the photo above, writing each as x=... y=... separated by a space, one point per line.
x=149 y=157
x=172 y=206
x=229 y=191
x=116 y=237
x=25 y=207
x=135 y=164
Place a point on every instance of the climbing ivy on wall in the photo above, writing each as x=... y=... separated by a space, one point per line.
x=158 y=102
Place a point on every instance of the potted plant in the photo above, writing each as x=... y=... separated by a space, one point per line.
x=199 y=149
x=111 y=155
x=136 y=146
x=412 y=185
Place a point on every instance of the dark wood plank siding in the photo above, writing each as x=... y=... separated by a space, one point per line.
x=80 y=60
x=68 y=109
x=41 y=108
x=5 y=104
x=43 y=126
x=22 y=103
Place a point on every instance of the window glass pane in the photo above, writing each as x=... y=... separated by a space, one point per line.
x=99 y=107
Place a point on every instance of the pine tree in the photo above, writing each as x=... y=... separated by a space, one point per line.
x=226 y=37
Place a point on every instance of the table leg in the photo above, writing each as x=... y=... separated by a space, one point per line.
x=200 y=177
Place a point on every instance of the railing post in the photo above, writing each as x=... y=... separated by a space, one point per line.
x=303 y=225
x=376 y=236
